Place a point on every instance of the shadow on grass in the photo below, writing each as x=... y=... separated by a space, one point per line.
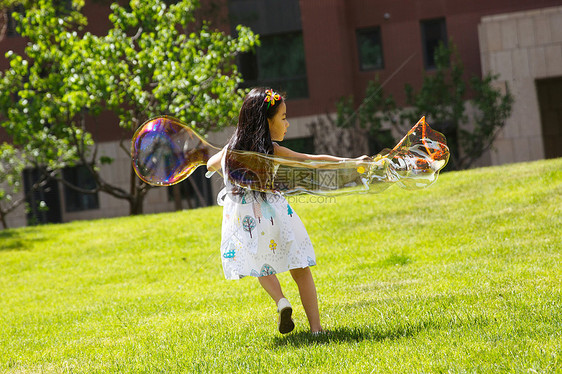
x=12 y=241
x=351 y=334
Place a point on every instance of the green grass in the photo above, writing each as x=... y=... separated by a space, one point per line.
x=462 y=277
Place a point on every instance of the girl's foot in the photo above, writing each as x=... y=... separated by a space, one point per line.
x=285 y=310
x=319 y=332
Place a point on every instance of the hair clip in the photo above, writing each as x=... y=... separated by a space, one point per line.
x=271 y=97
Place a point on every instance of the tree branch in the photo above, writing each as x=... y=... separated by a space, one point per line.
x=137 y=35
x=4 y=28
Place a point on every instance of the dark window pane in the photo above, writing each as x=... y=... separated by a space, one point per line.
x=248 y=66
x=433 y=32
x=278 y=63
x=76 y=201
x=370 y=49
x=43 y=203
x=266 y=17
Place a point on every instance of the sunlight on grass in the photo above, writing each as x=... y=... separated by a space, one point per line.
x=461 y=277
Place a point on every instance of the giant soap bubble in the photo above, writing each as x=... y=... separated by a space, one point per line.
x=165 y=151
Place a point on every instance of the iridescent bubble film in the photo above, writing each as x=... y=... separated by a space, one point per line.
x=165 y=151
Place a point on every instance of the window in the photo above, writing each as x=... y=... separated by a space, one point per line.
x=42 y=198
x=433 y=33
x=280 y=60
x=369 y=46
x=550 y=106
x=76 y=201
x=278 y=63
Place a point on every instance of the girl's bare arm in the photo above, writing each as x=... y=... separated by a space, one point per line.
x=295 y=158
x=214 y=163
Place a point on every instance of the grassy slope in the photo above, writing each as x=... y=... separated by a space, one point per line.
x=463 y=276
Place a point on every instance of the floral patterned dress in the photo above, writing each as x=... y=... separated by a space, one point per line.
x=261 y=236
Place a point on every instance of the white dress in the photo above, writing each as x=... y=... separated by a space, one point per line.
x=261 y=236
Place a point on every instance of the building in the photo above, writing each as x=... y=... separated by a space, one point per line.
x=525 y=49
x=321 y=50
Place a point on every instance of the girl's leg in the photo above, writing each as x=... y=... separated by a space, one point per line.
x=270 y=283
x=307 y=291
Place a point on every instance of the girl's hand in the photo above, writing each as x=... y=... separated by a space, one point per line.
x=362 y=163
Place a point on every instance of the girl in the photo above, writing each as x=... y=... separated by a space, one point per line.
x=261 y=234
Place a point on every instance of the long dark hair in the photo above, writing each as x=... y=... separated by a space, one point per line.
x=252 y=135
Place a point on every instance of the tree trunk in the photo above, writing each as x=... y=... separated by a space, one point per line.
x=136 y=204
x=198 y=193
x=3 y=219
x=3 y=23
x=177 y=197
x=136 y=199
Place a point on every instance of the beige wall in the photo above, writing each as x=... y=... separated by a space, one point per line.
x=521 y=47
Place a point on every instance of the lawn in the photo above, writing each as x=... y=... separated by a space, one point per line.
x=464 y=276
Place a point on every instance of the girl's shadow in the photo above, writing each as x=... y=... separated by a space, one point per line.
x=348 y=334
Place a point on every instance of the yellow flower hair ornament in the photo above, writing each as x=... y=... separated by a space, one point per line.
x=271 y=97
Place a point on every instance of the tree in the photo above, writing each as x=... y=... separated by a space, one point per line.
x=375 y=110
x=35 y=107
x=38 y=109
x=248 y=224
x=493 y=108
x=272 y=245
x=442 y=99
x=289 y=210
x=155 y=60
x=353 y=127
x=7 y=6
x=11 y=167
x=159 y=60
